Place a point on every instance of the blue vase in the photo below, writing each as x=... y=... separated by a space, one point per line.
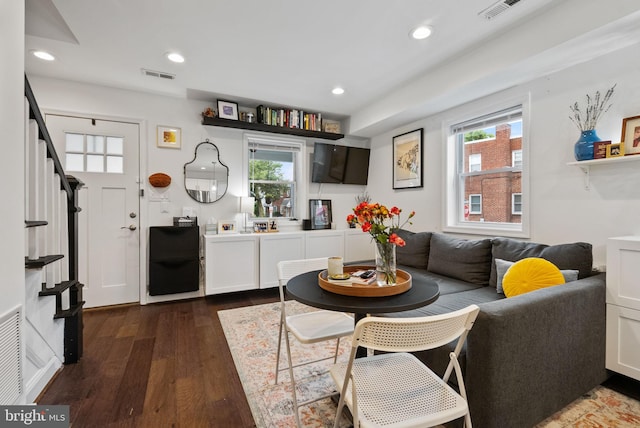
x=583 y=148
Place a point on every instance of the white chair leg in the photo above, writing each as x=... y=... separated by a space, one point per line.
x=279 y=348
x=335 y=356
x=293 y=380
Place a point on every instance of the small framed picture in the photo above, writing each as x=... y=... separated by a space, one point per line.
x=168 y=137
x=615 y=150
x=227 y=226
x=631 y=135
x=273 y=225
x=227 y=110
x=320 y=213
x=600 y=149
x=260 y=226
x=407 y=160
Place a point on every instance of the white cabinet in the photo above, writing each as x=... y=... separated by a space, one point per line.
x=325 y=243
x=623 y=306
x=358 y=246
x=276 y=247
x=231 y=263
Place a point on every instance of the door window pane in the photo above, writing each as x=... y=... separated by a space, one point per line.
x=74 y=162
x=75 y=143
x=115 y=145
x=95 y=163
x=95 y=144
x=114 y=164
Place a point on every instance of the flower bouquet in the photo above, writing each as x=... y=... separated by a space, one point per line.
x=381 y=223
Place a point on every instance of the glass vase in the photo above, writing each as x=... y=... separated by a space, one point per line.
x=385 y=263
x=583 y=149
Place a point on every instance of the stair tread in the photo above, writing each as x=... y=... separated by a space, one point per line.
x=58 y=289
x=42 y=261
x=68 y=313
x=35 y=223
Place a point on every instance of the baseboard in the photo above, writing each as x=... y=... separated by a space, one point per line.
x=36 y=385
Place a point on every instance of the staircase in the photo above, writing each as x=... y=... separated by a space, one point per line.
x=53 y=307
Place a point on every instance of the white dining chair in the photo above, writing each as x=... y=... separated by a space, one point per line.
x=395 y=388
x=309 y=327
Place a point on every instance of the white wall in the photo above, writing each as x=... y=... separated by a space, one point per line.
x=562 y=210
x=12 y=159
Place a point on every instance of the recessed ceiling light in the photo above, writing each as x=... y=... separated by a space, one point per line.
x=175 y=57
x=43 y=55
x=421 y=32
x=337 y=91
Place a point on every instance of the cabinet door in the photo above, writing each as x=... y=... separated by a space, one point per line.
x=328 y=243
x=623 y=271
x=623 y=341
x=358 y=246
x=231 y=263
x=276 y=247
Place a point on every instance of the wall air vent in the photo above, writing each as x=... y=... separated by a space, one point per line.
x=158 y=74
x=497 y=8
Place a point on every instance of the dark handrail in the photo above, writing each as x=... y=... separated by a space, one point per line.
x=34 y=113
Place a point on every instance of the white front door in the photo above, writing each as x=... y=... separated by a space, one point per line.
x=104 y=155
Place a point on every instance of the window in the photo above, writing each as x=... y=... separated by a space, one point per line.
x=94 y=153
x=516 y=204
x=273 y=174
x=475 y=162
x=516 y=159
x=485 y=158
x=475 y=204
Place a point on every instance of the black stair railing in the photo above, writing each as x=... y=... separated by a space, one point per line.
x=71 y=185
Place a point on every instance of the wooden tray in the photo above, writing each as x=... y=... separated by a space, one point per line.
x=365 y=290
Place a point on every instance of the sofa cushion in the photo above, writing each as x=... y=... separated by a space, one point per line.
x=467 y=260
x=576 y=255
x=529 y=274
x=416 y=251
x=503 y=265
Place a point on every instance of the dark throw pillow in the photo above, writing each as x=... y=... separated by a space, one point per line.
x=466 y=260
x=416 y=251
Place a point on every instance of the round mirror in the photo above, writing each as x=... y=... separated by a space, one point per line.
x=206 y=177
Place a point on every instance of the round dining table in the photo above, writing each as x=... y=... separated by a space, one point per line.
x=305 y=289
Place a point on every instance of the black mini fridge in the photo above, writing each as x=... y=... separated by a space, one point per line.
x=174 y=259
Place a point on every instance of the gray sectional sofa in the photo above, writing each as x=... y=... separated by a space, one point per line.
x=529 y=355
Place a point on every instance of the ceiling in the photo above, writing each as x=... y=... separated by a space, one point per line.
x=292 y=52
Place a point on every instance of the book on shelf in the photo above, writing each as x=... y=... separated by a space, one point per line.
x=289 y=118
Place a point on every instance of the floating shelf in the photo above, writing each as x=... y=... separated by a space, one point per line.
x=227 y=123
x=587 y=164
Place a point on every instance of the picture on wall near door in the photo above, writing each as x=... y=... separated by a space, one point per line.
x=169 y=137
x=407 y=160
x=320 y=213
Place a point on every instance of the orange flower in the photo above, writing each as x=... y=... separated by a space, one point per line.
x=372 y=217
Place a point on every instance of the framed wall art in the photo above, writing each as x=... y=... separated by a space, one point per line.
x=168 y=137
x=615 y=150
x=407 y=160
x=320 y=213
x=631 y=135
x=227 y=110
x=227 y=226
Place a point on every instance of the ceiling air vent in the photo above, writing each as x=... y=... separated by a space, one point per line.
x=158 y=74
x=498 y=8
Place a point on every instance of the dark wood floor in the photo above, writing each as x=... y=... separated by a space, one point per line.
x=160 y=365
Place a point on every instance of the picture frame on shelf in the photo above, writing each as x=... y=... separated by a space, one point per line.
x=600 y=149
x=631 y=135
x=260 y=226
x=273 y=225
x=227 y=227
x=227 y=110
x=615 y=150
x=320 y=213
x=168 y=137
x=407 y=160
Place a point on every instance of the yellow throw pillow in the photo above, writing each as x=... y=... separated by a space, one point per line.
x=530 y=274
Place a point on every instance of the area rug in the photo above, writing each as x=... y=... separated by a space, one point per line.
x=252 y=335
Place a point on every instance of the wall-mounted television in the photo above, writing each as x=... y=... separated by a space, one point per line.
x=333 y=163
